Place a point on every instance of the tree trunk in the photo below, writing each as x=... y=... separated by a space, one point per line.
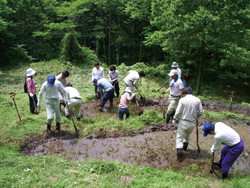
x=83 y=28
x=109 y=34
x=140 y=53
x=200 y=70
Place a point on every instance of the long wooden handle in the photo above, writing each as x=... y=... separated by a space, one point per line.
x=163 y=107
x=197 y=137
x=212 y=164
x=163 y=84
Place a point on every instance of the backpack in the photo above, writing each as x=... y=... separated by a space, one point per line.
x=25 y=87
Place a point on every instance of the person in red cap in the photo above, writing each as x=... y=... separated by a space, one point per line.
x=51 y=88
x=234 y=145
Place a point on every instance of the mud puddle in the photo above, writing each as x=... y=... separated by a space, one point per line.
x=90 y=109
x=155 y=149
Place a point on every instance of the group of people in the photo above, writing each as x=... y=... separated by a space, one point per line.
x=186 y=108
x=183 y=107
x=57 y=93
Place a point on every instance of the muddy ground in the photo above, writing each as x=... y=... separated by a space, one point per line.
x=151 y=146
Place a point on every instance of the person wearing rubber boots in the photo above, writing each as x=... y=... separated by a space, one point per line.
x=51 y=88
x=63 y=79
x=74 y=101
x=131 y=81
x=31 y=89
x=189 y=110
x=176 y=87
x=97 y=72
x=114 y=78
x=105 y=84
x=234 y=145
x=123 y=106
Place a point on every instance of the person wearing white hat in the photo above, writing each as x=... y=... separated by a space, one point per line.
x=176 y=67
x=97 y=72
x=123 y=106
x=175 y=88
x=31 y=89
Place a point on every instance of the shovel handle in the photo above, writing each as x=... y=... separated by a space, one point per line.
x=12 y=96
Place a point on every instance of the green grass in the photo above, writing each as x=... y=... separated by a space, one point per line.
x=18 y=170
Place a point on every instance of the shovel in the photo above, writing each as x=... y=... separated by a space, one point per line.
x=140 y=112
x=13 y=97
x=33 y=98
x=76 y=133
x=197 y=137
x=163 y=106
x=142 y=98
x=212 y=165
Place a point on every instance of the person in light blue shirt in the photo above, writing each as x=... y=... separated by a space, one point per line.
x=105 y=84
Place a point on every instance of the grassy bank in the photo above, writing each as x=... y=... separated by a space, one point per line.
x=18 y=170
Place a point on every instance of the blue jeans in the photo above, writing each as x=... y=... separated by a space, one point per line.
x=122 y=111
x=108 y=95
x=185 y=84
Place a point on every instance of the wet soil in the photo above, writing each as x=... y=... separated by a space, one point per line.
x=151 y=146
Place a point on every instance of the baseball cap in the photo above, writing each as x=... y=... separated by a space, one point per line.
x=51 y=80
x=96 y=79
x=207 y=128
x=173 y=72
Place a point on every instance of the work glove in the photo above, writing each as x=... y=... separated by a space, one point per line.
x=31 y=95
x=66 y=102
x=212 y=150
x=38 y=105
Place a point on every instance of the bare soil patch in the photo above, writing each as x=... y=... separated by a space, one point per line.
x=151 y=146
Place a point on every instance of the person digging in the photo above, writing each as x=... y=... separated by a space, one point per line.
x=63 y=79
x=189 y=109
x=131 y=80
x=176 y=87
x=105 y=84
x=123 y=106
x=74 y=101
x=234 y=145
x=114 y=78
x=51 y=87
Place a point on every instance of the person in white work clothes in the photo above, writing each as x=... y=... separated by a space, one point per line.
x=131 y=81
x=51 y=88
x=175 y=88
x=176 y=67
x=233 y=145
x=114 y=78
x=189 y=110
x=98 y=73
x=74 y=101
x=62 y=77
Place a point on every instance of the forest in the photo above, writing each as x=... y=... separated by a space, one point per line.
x=210 y=38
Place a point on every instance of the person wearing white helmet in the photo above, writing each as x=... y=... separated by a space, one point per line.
x=176 y=67
x=175 y=88
x=123 y=106
x=31 y=89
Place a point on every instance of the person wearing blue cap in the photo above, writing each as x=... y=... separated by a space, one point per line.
x=234 y=145
x=189 y=109
x=105 y=84
x=51 y=88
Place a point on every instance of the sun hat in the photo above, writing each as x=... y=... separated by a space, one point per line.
x=207 y=128
x=175 y=64
x=30 y=72
x=173 y=72
x=51 y=80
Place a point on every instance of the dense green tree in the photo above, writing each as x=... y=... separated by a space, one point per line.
x=204 y=33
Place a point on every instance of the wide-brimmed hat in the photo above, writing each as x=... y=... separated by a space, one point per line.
x=51 y=80
x=175 y=64
x=30 y=72
x=173 y=72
